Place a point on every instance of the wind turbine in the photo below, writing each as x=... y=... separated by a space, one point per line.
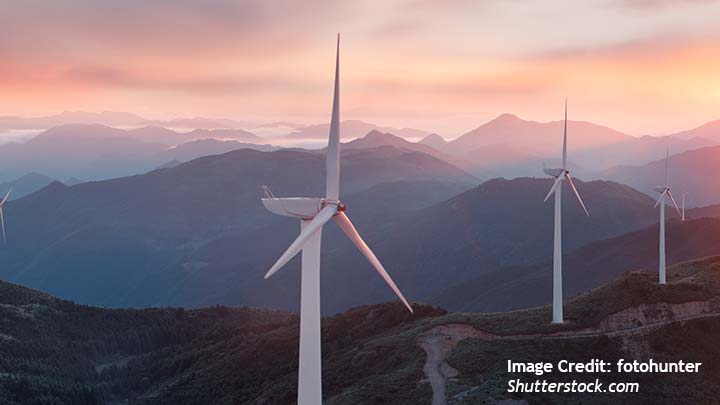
x=2 y=219
x=560 y=174
x=313 y=214
x=664 y=192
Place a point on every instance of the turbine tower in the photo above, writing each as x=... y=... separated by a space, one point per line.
x=684 y=193
x=2 y=219
x=313 y=213
x=664 y=192
x=559 y=175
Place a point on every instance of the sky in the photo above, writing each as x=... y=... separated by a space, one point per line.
x=639 y=66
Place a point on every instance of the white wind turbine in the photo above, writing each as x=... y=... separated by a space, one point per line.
x=313 y=214
x=556 y=188
x=664 y=192
x=2 y=218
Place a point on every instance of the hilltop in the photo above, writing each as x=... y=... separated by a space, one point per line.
x=377 y=353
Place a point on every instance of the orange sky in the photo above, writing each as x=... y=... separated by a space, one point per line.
x=641 y=66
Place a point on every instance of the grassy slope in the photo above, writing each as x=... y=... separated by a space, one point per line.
x=54 y=350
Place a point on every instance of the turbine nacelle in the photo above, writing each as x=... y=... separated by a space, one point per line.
x=299 y=207
x=555 y=172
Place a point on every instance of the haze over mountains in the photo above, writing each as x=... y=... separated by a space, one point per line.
x=514 y=147
x=114 y=119
x=93 y=151
x=149 y=222
x=692 y=171
x=507 y=146
x=171 y=232
x=350 y=129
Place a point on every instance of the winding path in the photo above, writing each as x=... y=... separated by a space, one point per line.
x=439 y=342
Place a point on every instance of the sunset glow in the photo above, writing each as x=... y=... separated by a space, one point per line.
x=640 y=66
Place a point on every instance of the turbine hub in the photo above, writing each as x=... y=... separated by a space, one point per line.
x=340 y=206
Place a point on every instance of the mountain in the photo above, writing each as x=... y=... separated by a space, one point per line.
x=511 y=146
x=709 y=131
x=543 y=138
x=68 y=353
x=498 y=224
x=435 y=141
x=24 y=185
x=205 y=147
x=584 y=268
x=374 y=139
x=688 y=171
x=156 y=226
x=71 y=181
x=99 y=152
x=636 y=151
x=86 y=151
x=149 y=134
x=350 y=129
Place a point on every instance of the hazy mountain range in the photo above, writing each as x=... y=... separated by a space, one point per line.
x=424 y=211
x=92 y=151
x=169 y=233
x=24 y=185
x=690 y=171
x=507 y=146
x=150 y=222
x=511 y=146
x=350 y=129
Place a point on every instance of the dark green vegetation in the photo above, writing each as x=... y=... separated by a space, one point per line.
x=56 y=352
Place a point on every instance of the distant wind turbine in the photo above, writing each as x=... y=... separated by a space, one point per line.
x=2 y=218
x=664 y=192
x=313 y=214
x=556 y=188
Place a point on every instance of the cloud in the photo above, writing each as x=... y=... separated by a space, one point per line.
x=81 y=29
x=111 y=77
x=467 y=87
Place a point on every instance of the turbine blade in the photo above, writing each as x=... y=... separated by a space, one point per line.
x=344 y=222
x=572 y=185
x=2 y=222
x=332 y=182
x=6 y=196
x=564 y=151
x=320 y=219
x=674 y=202
x=660 y=198
x=558 y=179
